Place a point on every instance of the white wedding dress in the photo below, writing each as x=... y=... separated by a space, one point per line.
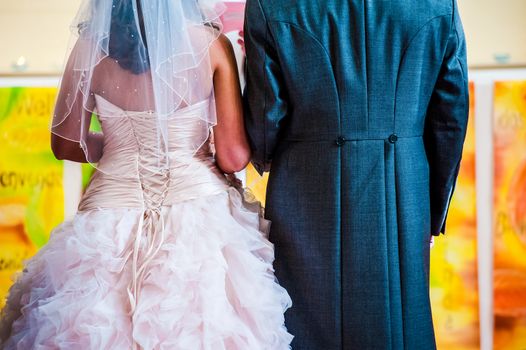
x=177 y=259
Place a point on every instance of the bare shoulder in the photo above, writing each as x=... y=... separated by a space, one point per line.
x=102 y=72
x=223 y=42
x=222 y=52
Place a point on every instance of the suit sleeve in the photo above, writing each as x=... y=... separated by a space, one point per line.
x=264 y=97
x=446 y=124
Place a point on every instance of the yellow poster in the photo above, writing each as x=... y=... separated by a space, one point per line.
x=454 y=292
x=31 y=192
x=509 y=276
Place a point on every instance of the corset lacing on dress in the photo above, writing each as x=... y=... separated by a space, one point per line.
x=155 y=182
x=160 y=175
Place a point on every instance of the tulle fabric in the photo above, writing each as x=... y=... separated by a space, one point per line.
x=144 y=55
x=210 y=287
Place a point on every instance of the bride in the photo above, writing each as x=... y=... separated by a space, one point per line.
x=165 y=252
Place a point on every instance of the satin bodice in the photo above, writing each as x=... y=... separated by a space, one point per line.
x=128 y=175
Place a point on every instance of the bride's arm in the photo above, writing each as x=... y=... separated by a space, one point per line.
x=66 y=149
x=66 y=134
x=230 y=139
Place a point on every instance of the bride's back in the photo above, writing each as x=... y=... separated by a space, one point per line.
x=123 y=88
x=134 y=89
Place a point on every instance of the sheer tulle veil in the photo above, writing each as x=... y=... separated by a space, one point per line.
x=143 y=56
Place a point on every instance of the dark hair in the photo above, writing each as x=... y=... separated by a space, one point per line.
x=126 y=44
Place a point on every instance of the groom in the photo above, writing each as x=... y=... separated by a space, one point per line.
x=359 y=110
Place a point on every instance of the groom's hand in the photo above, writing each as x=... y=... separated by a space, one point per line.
x=432 y=241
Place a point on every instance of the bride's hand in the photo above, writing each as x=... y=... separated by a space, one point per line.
x=234 y=181
x=432 y=241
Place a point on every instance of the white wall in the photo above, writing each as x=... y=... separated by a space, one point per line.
x=494 y=27
x=39 y=31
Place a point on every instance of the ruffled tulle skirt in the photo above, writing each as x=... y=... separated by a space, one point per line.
x=210 y=286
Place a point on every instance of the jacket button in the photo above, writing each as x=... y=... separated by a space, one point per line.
x=340 y=141
x=393 y=138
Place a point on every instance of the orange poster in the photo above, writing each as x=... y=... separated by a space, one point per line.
x=454 y=285
x=509 y=276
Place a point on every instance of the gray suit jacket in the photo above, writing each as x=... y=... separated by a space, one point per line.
x=359 y=110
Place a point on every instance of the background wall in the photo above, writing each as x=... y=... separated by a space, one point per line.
x=39 y=32
x=494 y=28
